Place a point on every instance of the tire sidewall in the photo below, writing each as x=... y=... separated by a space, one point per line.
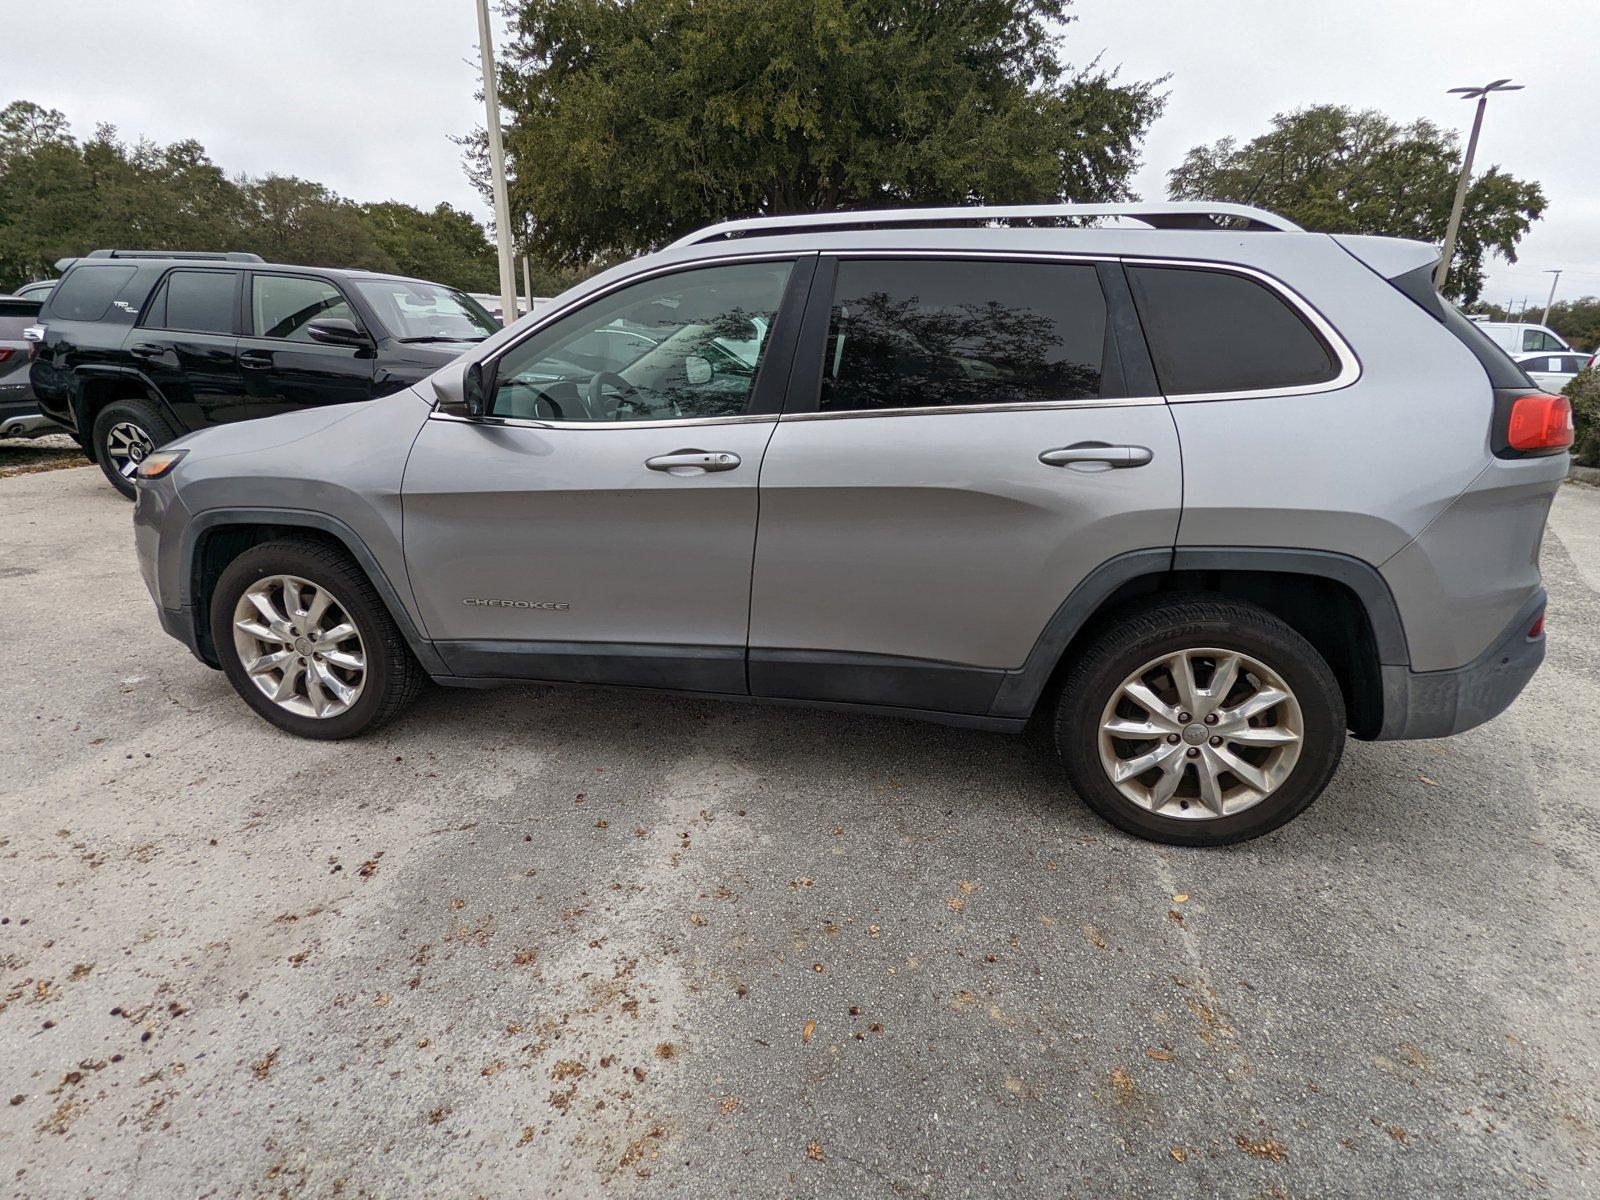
x=254 y=565
x=1294 y=660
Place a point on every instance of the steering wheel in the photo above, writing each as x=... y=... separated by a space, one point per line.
x=612 y=409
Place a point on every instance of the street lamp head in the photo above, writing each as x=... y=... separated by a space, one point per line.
x=1474 y=93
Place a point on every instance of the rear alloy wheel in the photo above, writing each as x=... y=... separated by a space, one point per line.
x=125 y=434
x=1200 y=721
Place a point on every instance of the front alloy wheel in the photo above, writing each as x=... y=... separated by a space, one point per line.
x=126 y=446
x=299 y=647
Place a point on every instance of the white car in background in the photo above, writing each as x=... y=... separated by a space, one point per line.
x=1519 y=338
x=1553 y=372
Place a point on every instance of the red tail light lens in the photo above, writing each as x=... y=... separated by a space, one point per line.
x=5 y=353
x=1536 y=630
x=1540 y=422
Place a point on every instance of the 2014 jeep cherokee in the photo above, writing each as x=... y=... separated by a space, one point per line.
x=1207 y=495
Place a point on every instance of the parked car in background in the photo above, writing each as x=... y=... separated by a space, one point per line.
x=140 y=347
x=1517 y=338
x=37 y=290
x=1140 y=482
x=1553 y=371
x=19 y=411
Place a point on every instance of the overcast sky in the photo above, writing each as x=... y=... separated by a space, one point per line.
x=364 y=95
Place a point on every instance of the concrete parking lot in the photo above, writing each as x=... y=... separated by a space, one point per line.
x=558 y=942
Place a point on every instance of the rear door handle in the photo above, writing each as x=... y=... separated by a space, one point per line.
x=1097 y=452
x=693 y=462
x=147 y=350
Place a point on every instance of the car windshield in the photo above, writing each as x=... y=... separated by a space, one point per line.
x=426 y=312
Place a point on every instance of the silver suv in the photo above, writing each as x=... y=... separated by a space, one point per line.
x=1201 y=490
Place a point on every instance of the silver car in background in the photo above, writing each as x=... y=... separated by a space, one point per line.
x=1203 y=496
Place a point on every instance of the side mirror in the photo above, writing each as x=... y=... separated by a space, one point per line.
x=462 y=389
x=336 y=331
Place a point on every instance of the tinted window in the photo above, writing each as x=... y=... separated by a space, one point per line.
x=86 y=293
x=281 y=306
x=195 y=302
x=1211 y=331
x=909 y=334
x=681 y=345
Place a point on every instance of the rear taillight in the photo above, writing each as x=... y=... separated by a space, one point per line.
x=1536 y=630
x=5 y=353
x=1539 y=424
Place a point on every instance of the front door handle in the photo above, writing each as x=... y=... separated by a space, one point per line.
x=256 y=360
x=1097 y=452
x=693 y=462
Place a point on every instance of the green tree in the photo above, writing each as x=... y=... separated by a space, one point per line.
x=446 y=244
x=1343 y=170
x=631 y=121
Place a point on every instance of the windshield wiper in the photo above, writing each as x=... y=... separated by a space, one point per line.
x=439 y=337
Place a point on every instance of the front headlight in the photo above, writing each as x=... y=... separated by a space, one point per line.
x=160 y=463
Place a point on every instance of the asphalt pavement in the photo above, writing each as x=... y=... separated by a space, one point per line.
x=538 y=942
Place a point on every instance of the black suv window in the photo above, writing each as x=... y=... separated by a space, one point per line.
x=86 y=294
x=934 y=333
x=195 y=302
x=281 y=306
x=1214 y=331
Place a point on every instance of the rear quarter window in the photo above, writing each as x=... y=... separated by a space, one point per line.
x=1215 y=331
x=87 y=292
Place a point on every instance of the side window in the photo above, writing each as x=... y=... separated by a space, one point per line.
x=1539 y=340
x=86 y=293
x=195 y=302
x=677 y=346
x=281 y=306
x=939 y=332
x=1214 y=331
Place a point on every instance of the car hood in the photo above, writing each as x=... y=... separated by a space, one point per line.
x=265 y=433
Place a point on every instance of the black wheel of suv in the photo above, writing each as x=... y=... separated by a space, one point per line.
x=304 y=637
x=1199 y=721
x=125 y=433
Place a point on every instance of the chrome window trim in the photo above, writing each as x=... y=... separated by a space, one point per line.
x=1349 y=364
x=943 y=410
x=670 y=423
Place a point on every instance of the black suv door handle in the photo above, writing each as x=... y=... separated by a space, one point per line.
x=1097 y=452
x=256 y=360
x=147 y=350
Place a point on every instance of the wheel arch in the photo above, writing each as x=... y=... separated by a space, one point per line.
x=99 y=387
x=214 y=538
x=1340 y=604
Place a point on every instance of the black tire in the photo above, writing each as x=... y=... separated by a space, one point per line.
x=140 y=415
x=1190 y=622
x=393 y=675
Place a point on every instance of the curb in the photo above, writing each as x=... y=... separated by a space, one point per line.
x=1589 y=475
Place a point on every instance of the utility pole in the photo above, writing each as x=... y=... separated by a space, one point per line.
x=497 y=169
x=1481 y=94
x=527 y=282
x=1551 y=298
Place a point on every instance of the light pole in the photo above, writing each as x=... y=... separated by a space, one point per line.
x=497 y=170
x=1551 y=298
x=1481 y=94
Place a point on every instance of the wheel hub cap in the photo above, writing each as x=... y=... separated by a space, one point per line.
x=126 y=447
x=1200 y=734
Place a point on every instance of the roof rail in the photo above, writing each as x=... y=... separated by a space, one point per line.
x=222 y=255
x=1178 y=214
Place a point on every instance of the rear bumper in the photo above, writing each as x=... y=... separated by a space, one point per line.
x=1434 y=704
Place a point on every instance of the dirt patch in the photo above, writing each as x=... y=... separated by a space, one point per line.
x=24 y=456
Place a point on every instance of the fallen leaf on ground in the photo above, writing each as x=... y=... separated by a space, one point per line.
x=805 y=1034
x=1180 y=898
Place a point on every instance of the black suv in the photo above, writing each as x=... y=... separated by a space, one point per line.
x=136 y=348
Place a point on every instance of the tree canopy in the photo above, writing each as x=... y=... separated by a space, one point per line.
x=1344 y=170
x=632 y=121
x=60 y=197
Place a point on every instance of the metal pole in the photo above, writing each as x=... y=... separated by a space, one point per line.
x=1551 y=298
x=527 y=282
x=1461 y=198
x=497 y=169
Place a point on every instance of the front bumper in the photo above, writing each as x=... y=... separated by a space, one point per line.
x=1434 y=704
x=159 y=519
